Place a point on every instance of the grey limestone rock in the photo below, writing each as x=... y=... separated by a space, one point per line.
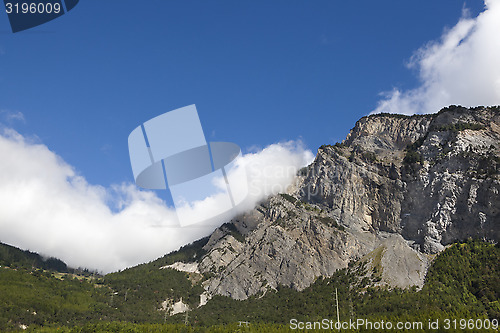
x=395 y=192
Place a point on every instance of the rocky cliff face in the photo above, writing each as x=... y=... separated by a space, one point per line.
x=394 y=193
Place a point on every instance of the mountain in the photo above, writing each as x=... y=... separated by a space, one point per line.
x=394 y=193
x=373 y=217
x=462 y=282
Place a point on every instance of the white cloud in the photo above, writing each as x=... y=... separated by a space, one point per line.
x=49 y=208
x=11 y=116
x=462 y=68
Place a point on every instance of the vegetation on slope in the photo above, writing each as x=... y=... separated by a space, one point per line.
x=16 y=258
x=463 y=282
x=37 y=297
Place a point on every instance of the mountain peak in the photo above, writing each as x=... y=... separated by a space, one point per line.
x=397 y=189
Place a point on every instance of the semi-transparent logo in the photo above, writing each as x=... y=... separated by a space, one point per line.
x=170 y=151
x=26 y=14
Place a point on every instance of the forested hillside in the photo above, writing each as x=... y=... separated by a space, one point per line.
x=463 y=282
x=16 y=258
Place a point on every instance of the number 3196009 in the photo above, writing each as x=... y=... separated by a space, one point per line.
x=33 y=8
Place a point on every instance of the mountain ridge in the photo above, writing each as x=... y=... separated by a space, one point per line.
x=404 y=184
x=369 y=214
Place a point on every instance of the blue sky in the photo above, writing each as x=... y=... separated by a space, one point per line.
x=259 y=72
x=263 y=74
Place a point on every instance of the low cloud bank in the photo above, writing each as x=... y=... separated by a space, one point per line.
x=49 y=208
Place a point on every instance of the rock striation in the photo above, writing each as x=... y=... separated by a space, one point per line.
x=394 y=193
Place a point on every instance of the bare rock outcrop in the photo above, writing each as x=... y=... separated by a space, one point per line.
x=395 y=192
